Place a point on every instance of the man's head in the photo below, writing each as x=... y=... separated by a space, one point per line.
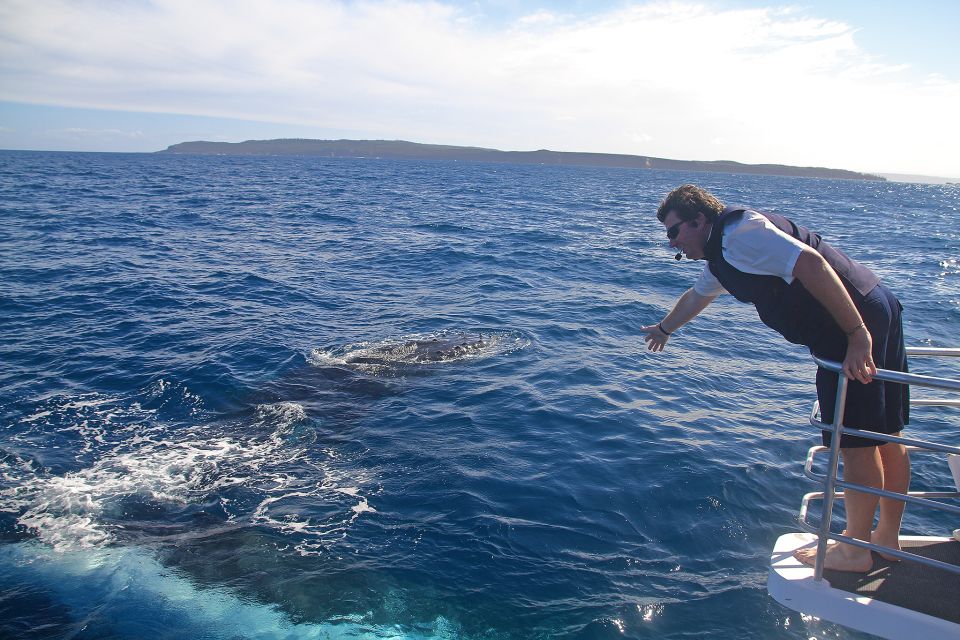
x=688 y=201
x=688 y=213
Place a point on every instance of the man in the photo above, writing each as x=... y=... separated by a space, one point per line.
x=814 y=295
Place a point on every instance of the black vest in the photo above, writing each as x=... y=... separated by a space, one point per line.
x=789 y=309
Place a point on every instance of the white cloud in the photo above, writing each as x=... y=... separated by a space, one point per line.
x=80 y=132
x=770 y=85
x=542 y=17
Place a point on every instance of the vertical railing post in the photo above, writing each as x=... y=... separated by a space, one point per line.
x=830 y=482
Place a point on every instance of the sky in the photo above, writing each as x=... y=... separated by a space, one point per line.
x=867 y=86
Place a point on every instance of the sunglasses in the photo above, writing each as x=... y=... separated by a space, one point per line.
x=674 y=230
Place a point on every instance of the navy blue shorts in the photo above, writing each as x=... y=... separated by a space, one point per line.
x=878 y=406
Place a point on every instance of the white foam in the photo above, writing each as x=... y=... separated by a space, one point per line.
x=362 y=507
x=285 y=413
x=98 y=401
x=66 y=511
x=325 y=358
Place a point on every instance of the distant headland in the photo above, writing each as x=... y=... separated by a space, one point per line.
x=402 y=150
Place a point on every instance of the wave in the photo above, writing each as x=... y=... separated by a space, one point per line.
x=133 y=476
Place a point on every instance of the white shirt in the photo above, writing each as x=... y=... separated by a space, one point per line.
x=752 y=244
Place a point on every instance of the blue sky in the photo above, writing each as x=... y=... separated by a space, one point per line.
x=869 y=86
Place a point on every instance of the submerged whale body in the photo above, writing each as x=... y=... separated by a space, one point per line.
x=129 y=592
x=420 y=351
x=414 y=354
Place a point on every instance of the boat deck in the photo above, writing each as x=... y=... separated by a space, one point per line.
x=909 y=584
x=893 y=600
x=916 y=598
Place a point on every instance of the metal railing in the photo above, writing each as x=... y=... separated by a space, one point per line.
x=831 y=482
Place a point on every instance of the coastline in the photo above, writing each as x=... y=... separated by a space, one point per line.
x=403 y=150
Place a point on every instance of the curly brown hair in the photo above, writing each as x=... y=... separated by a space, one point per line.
x=688 y=201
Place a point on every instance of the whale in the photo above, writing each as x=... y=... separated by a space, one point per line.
x=420 y=351
x=414 y=355
x=407 y=354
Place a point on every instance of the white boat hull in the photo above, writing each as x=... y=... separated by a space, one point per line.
x=791 y=583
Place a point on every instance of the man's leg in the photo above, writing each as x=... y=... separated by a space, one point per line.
x=861 y=465
x=896 y=477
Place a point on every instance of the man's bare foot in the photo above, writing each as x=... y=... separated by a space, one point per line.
x=840 y=557
x=885 y=541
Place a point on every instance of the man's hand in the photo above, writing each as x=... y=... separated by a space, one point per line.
x=686 y=309
x=858 y=364
x=656 y=339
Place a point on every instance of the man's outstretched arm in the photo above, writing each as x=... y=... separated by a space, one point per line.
x=687 y=307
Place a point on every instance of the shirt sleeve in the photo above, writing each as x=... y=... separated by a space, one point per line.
x=754 y=245
x=707 y=284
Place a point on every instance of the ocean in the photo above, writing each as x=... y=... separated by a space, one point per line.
x=303 y=397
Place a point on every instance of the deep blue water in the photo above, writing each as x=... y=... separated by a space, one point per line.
x=231 y=405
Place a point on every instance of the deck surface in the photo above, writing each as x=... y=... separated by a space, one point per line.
x=911 y=585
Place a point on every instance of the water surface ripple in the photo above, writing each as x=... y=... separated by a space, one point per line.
x=318 y=398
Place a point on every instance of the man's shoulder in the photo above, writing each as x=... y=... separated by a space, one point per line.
x=747 y=220
x=755 y=237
